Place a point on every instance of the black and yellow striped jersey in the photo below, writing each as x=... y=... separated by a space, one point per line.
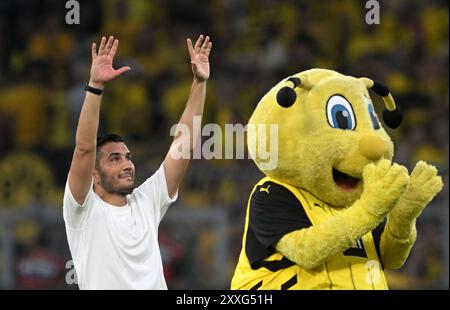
x=276 y=209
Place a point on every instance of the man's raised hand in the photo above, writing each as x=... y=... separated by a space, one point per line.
x=102 y=70
x=199 y=57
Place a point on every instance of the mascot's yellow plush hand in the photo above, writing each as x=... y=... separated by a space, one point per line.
x=424 y=185
x=400 y=232
x=384 y=184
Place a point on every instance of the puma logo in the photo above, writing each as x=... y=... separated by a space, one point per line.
x=262 y=189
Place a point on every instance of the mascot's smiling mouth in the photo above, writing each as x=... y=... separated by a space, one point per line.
x=345 y=181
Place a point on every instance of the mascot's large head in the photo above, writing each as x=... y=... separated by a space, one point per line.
x=327 y=132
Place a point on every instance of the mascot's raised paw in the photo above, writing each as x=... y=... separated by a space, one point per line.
x=424 y=185
x=383 y=186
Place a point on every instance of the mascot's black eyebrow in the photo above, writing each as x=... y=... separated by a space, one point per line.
x=392 y=115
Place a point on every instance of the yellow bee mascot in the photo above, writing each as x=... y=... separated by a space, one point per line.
x=335 y=211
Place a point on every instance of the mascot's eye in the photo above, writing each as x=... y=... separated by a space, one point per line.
x=340 y=113
x=373 y=114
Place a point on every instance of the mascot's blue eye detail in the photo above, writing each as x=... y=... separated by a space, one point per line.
x=340 y=113
x=373 y=115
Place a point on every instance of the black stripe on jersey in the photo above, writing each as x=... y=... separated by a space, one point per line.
x=359 y=250
x=376 y=234
x=274 y=212
x=274 y=265
x=257 y=286
x=291 y=282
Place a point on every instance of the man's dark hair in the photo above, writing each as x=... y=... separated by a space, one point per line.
x=106 y=138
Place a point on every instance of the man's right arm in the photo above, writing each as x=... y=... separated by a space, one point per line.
x=83 y=161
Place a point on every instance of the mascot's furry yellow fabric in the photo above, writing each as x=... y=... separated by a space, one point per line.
x=317 y=221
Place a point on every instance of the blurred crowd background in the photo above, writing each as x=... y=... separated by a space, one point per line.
x=44 y=64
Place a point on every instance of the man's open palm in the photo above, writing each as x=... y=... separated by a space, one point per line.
x=102 y=70
x=199 y=57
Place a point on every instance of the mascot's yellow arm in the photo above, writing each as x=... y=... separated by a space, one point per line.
x=311 y=247
x=397 y=241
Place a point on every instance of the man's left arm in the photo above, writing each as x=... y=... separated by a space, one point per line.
x=178 y=157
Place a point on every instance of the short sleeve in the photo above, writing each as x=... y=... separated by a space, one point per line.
x=155 y=190
x=274 y=212
x=75 y=214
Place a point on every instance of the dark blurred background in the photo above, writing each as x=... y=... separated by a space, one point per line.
x=44 y=64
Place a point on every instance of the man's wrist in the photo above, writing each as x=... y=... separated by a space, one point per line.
x=96 y=85
x=94 y=88
x=198 y=80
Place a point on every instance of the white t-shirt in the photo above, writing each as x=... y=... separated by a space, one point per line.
x=117 y=247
